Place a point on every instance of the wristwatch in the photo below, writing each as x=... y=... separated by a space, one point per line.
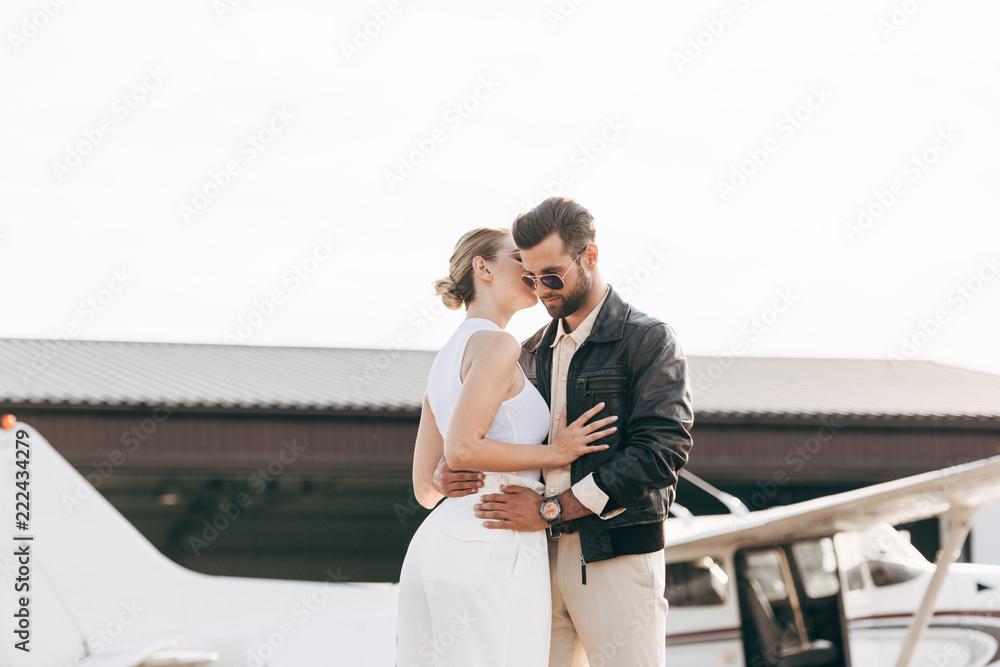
x=551 y=510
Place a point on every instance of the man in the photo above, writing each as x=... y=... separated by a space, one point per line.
x=604 y=513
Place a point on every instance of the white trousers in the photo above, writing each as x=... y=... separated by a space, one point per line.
x=472 y=596
x=618 y=619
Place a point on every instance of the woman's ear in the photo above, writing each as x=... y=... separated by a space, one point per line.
x=481 y=269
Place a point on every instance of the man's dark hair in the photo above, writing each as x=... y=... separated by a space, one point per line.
x=572 y=221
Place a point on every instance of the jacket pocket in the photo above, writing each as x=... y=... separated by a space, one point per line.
x=607 y=385
x=599 y=384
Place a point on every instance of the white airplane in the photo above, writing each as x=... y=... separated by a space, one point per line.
x=829 y=582
x=825 y=582
x=100 y=595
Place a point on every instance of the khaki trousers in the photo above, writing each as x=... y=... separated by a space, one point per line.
x=617 y=619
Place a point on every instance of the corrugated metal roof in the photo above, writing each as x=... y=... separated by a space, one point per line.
x=784 y=386
x=214 y=376
x=113 y=373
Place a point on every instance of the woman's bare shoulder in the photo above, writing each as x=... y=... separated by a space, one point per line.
x=494 y=346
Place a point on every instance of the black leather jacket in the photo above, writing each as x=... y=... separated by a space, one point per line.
x=633 y=363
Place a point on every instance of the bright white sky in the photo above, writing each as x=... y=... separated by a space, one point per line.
x=198 y=82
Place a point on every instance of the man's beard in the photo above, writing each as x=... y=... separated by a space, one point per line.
x=571 y=301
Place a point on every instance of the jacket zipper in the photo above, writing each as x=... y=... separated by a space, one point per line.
x=579 y=381
x=588 y=380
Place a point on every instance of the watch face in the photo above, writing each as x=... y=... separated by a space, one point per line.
x=550 y=510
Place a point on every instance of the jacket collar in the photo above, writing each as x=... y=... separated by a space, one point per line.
x=609 y=326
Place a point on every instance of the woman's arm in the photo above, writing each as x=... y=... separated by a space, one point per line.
x=428 y=457
x=466 y=447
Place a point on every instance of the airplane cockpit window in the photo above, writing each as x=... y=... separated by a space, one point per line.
x=855 y=580
x=887 y=573
x=817 y=564
x=696 y=583
x=889 y=558
x=765 y=567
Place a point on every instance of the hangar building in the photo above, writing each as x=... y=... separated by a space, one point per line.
x=314 y=445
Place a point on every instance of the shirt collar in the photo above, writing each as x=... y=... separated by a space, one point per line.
x=581 y=333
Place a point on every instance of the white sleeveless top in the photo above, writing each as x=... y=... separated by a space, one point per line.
x=521 y=420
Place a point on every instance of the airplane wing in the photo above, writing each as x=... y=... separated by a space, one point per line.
x=963 y=487
x=957 y=492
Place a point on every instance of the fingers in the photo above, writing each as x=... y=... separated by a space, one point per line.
x=600 y=423
x=464 y=486
x=589 y=413
x=496 y=524
x=464 y=476
x=458 y=493
x=488 y=507
x=600 y=434
x=461 y=483
x=494 y=498
x=456 y=485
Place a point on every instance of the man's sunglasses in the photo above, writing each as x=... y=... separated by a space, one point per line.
x=550 y=280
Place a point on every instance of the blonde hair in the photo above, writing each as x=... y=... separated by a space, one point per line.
x=458 y=287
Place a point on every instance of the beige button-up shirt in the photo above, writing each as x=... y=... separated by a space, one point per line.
x=558 y=480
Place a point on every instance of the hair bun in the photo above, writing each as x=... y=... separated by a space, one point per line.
x=447 y=288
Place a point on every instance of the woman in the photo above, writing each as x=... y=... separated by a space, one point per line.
x=470 y=595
